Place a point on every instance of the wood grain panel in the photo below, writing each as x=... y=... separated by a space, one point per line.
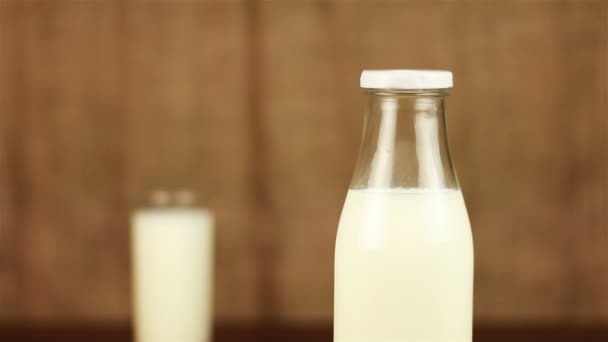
x=9 y=196
x=522 y=155
x=519 y=151
x=187 y=125
x=310 y=154
x=256 y=105
x=584 y=142
x=72 y=222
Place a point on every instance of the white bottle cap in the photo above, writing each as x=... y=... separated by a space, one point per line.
x=406 y=79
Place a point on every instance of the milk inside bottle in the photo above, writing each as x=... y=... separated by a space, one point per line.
x=404 y=250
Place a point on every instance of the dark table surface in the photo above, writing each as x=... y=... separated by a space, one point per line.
x=319 y=332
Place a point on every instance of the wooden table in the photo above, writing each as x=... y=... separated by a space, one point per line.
x=249 y=332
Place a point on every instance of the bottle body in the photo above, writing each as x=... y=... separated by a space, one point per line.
x=404 y=267
x=404 y=249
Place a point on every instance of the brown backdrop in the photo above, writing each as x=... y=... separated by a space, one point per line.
x=257 y=105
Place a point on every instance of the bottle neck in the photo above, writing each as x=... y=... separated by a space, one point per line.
x=404 y=143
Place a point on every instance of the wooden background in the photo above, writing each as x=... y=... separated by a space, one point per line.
x=256 y=104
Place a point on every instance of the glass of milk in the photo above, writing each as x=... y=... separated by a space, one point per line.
x=404 y=250
x=172 y=255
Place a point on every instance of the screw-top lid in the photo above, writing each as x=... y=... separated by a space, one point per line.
x=406 y=79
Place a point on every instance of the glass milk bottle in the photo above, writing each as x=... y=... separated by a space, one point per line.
x=404 y=250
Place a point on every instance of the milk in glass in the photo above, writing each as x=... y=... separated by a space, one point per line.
x=172 y=251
